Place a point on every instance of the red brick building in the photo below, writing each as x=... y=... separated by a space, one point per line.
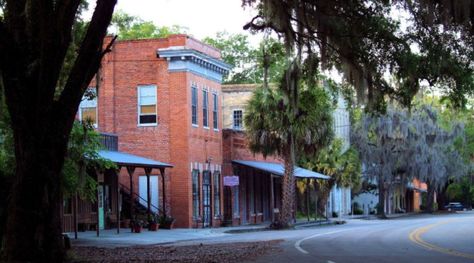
x=162 y=98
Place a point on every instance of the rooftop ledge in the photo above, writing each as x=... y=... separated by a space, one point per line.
x=180 y=53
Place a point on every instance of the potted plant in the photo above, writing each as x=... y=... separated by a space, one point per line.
x=152 y=223
x=136 y=226
x=166 y=222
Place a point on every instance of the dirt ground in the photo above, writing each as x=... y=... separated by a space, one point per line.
x=227 y=252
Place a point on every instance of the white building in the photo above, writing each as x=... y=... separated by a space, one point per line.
x=339 y=200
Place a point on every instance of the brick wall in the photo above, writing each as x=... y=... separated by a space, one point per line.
x=173 y=140
x=235 y=147
x=235 y=97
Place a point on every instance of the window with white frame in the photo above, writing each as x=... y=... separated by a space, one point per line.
x=214 y=111
x=237 y=119
x=205 y=112
x=194 y=105
x=88 y=107
x=147 y=105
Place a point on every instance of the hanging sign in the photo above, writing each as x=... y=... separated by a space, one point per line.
x=231 y=180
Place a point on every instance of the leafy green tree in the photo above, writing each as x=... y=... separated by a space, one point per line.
x=132 y=27
x=344 y=168
x=274 y=126
x=81 y=159
x=398 y=146
x=35 y=37
x=364 y=41
x=463 y=191
x=237 y=52
x=247 y=62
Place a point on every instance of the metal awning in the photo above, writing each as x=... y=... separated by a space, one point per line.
x=126 y=159
x=411 y=186
x=278 y=169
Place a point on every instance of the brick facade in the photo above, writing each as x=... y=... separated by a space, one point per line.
x=173 y=139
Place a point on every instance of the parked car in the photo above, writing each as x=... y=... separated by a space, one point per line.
x=454 y=206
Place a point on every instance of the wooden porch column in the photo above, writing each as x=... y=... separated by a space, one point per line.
x=130 y=171
x=272 y=198
x=148 y=193
x=75 y=215
x=163 y=194
x=118 y=202
x=254 y=186
x=307 y=198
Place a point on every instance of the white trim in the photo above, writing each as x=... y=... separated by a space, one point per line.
x=216 y=130
x=233 y=126
x=138 y=105
x=207 y=108
x=147 y=125
x=90 y=104
x=195 y=86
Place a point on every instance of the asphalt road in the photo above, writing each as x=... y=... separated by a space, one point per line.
x=420 y=238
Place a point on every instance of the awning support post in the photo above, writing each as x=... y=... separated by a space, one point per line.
x=118 y=204
x=148 y=192
x=162 y=173
x=272 y=198
x=307 y=198
x=131 y=170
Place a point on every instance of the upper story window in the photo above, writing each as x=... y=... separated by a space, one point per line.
x=194 y=105
x=88 y=107
x=147 y=105
x=214 y=111
x=205 y=104
x=237 y=119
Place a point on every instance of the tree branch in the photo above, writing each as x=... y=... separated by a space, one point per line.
x=86 y=64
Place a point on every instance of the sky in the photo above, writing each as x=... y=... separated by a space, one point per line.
x=202 y=18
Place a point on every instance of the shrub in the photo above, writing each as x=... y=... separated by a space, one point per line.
x=358 y=211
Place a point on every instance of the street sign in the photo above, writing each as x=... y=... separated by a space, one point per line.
x=231 y=180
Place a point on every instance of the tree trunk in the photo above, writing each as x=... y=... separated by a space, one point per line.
x=34 y=230
x=430 y=197
x=324 y=196
x=288 y=188
x=381 y=205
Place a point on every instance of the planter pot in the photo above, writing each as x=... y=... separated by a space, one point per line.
x=168 y=224
x=153 y=226
x=137 y=229
x=125 y=223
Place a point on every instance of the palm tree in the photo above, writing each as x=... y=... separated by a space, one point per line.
x=344 y=168
x=287 y=120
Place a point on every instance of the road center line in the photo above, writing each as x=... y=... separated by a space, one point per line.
x=298 y=243
x=415 y=236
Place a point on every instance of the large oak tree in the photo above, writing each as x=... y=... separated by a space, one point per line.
x=34 y=40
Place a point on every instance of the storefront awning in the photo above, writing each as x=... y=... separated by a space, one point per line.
x=126 y=159
x=278 y=169
x=411 y=186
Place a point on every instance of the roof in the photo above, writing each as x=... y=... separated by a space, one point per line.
x=126 y=159
x=278 y=169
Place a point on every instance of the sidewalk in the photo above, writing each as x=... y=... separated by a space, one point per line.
x=109 y=238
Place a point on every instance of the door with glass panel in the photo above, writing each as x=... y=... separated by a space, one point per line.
x=206 y=198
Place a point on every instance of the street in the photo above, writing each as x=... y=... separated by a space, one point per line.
x=419 y=238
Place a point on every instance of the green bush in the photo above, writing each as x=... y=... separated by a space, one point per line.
x=358 y=211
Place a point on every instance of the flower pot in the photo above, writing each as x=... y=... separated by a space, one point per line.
x=125 y=223
x=168 y=224
x=137 y=229
x=153 y=226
